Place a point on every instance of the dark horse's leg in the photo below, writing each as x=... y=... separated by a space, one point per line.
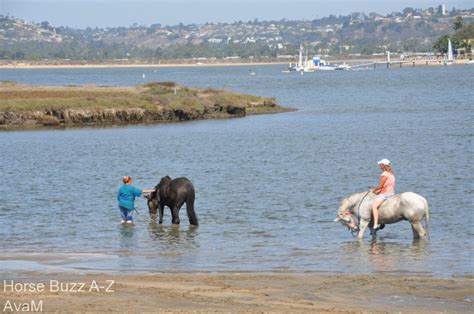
x=190 y=209
x=175 y=214
x=161 y=209
x=175 y=211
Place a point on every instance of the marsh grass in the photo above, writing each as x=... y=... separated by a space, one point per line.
x=151 y=96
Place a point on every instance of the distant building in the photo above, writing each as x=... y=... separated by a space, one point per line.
x=442 y=9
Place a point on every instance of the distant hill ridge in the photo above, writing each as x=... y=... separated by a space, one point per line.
x=411 y=30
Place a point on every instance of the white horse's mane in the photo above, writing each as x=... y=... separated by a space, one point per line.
x=351 y=201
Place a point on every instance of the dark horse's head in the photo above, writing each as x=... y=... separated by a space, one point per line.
x=155 y=196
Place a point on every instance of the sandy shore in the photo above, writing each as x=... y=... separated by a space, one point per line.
x=240 y=292
x=130 y=65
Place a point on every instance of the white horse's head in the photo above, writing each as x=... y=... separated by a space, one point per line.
x=345 y=205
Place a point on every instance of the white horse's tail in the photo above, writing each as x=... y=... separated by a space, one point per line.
x=427 y=219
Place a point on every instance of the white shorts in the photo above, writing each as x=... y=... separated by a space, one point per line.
x=385 y=196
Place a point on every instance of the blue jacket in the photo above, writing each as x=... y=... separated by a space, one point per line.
x=126 y=196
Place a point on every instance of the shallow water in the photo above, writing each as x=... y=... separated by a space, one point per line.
x=268 y=186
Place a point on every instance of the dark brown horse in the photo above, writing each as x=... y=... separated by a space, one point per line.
x=173 y=193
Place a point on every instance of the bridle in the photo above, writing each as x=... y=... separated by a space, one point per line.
x=354 y=230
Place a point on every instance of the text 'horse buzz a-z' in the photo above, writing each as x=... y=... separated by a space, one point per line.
x=355 y=212
x=172 y=193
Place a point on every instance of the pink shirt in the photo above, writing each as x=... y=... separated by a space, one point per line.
x=389 y=185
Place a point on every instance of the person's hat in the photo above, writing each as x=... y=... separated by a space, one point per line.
x=384 y=162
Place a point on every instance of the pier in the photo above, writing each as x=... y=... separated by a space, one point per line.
x=403 y=63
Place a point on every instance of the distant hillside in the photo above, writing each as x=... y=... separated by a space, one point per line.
x=413 y=30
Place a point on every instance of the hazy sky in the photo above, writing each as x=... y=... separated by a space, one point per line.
x=103 y=13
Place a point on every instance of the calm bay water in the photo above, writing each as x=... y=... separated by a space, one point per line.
x=268 y=186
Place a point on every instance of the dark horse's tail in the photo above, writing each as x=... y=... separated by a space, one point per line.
x=190 y=207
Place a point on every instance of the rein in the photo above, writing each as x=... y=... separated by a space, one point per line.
x=360 y=203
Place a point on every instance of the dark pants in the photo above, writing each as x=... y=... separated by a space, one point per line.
x=126 y=213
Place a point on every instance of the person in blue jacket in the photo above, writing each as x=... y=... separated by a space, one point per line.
x=126 y=199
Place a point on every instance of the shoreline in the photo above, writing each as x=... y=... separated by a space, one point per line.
x=380 y=62
x=241 y=292
x=63 y=127
x=135 y=65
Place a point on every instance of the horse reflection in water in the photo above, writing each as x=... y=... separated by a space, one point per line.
x=382 y=256
x=170 y=236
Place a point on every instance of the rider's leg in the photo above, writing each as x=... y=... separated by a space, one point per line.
x=375 y=210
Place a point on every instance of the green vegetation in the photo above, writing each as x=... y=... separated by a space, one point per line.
x=462 y=39
x=148 y=96
x=21 y=97
x=458 y=22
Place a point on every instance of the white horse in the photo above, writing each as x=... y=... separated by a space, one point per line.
x=405 y=206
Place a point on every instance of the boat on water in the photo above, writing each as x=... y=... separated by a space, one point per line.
x=300 y=67
x=450 y=59
x=470 y=62
x=314 y=65
x=290 y=68
x=343 y=67
x=253 y=72
x=321 y=65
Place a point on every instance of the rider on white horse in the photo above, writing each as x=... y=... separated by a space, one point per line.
x=385 y=189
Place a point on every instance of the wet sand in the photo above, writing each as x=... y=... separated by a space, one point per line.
x=242 y=292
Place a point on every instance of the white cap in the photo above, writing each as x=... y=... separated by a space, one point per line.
x=384 y=162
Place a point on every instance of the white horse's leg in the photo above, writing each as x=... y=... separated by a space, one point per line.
x=418 y=231
x=415 y=233
x=362 y=226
